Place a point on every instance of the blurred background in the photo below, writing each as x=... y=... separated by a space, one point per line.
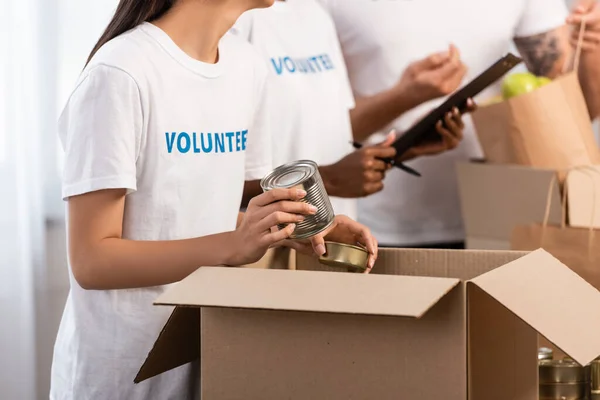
x=43 y=47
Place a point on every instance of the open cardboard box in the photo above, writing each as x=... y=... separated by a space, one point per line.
x=495 y=198
x=426 y=324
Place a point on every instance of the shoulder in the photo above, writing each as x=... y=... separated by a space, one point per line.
x=244 y=52
x=125 y=55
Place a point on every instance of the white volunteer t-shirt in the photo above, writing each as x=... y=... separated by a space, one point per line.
x=379 y=39
x=181 y=136
x=309 y=91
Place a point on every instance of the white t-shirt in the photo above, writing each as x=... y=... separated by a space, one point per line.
x=309 y=92
x=379 y=39
x=181 y=136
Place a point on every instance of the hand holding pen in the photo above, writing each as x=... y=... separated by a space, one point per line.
x=450 y=130
x=392 y=162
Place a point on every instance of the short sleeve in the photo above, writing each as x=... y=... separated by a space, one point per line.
x=101 y=130
x=541 y=16
x=258 y=151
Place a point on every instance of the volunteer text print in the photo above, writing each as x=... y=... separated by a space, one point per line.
x=193 y=142
x=305 y=65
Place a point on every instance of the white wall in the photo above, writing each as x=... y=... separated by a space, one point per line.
x=70 y=30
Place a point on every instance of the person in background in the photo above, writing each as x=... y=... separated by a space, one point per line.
x=379 y=40
x=164 y=125
x=310 y=99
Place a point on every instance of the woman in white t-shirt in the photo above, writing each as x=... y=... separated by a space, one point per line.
x=163 y=127
x=310 y=99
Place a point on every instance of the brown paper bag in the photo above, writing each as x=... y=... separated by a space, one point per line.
x=547 y=128
x=578 y=248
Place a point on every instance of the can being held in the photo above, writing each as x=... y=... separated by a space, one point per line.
x=348 y=257
x=303 y=174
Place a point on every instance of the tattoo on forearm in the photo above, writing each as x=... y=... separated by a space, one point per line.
x=540 y=52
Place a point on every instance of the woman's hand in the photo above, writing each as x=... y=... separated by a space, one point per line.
x=451 y=133
x=343 y=230
x=435 y=76
x=361 y=172
x=254 y=234
x=588 y=11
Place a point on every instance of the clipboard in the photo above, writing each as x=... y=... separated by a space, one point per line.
x=424 y=130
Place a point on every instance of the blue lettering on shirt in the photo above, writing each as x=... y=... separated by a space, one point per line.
x=201 y=142
x=307 y=65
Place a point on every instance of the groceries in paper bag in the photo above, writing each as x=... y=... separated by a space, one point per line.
x=538 y=122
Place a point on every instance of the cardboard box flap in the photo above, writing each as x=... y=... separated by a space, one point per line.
x=552 y=299
x=177 y=344
x=332 y=292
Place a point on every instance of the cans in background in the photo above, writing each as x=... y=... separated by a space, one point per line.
x=303 y=174
x=545 y=353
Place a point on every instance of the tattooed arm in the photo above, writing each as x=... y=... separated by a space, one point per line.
x=546 y=54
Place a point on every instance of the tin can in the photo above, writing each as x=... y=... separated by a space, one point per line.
x=545 y=353
x=595 y=376
x=352 y=258
x=303 y=174
x=562 y=371
x=564 y=391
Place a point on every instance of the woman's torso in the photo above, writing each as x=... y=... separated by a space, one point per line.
x=197 y=125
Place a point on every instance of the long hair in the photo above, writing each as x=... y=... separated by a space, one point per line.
x=129 y=14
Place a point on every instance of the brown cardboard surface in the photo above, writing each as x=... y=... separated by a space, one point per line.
x=463 y=265
x=255 y=354
x=496 y=198
x=312 y=291
x=476 y=243
x=176 y=345
x=475 y=341
x=583 y=197
x=552 y=299
x=502 y=352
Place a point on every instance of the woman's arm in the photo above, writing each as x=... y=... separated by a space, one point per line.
x=101 y=259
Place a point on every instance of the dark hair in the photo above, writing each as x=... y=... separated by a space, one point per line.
x=129 y=14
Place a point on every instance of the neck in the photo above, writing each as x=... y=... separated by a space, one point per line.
x=197 y=26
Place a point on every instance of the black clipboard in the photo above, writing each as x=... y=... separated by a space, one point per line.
x=424 y=130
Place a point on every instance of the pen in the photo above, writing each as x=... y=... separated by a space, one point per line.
x=403 y=167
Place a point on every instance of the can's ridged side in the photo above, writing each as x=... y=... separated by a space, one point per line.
x=595 y=376
x=562 y=371
x=303 y=174
x=564 y=391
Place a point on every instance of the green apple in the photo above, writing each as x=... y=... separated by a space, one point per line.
x=542 y=81
x=519 y=83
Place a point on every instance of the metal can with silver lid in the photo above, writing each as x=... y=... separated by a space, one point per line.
x=562 y=371
x=303 y=174
x=545 y=353
x=595 y=377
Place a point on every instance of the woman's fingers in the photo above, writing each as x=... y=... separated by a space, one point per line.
x=271 y=238
x=286 y=206
x=277 y=218
x=276 y=195
x=318 y=244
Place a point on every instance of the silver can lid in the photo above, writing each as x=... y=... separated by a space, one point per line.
x=289 y=175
